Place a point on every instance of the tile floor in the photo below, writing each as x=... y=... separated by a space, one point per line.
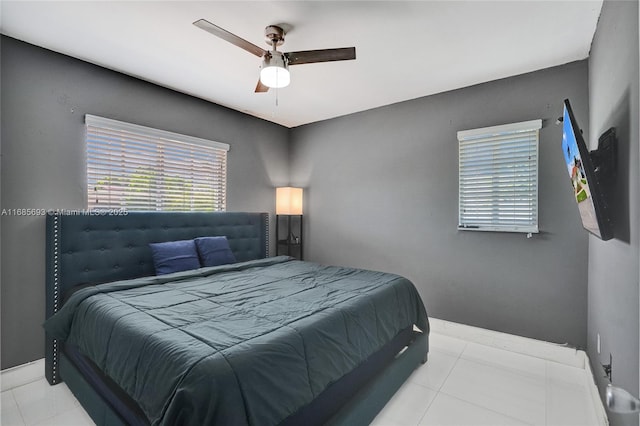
x=464 y=383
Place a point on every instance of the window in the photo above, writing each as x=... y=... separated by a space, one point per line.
x=138 y=168
x=498 y=178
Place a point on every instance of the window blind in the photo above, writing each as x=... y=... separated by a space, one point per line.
x=498 y=178
x=139 y=168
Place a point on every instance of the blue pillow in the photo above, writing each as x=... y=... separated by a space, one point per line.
x=174 y=256
x=214 y=251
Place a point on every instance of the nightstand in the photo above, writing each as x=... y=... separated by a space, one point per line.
x=289 y=235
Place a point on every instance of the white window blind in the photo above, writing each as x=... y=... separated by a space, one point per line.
x=498 y=178
x=139 y=168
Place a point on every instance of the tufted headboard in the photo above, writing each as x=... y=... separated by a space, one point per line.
x=93 y=249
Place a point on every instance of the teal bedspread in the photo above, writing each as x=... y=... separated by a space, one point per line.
x=249 y=343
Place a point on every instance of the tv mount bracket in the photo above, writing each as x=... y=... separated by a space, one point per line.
x=604 y=159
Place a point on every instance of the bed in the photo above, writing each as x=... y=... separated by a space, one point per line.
x=266 y=340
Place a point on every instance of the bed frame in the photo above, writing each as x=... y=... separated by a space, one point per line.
x=91 y=249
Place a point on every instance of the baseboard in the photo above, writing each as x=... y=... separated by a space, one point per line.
x=22 y=374
x=548 y=351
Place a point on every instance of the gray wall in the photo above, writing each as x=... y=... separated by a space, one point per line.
x=381 y=193
x=45 y=96
x=614 y=264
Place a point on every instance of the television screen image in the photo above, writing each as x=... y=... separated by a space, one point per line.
x=583 y=178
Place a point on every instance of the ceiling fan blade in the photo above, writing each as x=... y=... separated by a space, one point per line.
x=324 y=55
x=231 y=38
x=261 y=88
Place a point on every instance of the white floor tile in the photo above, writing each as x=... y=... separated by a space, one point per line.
x=504 y=359
x=74 y=417
x=407 y=406
x=21 y=375
x=7 y=400
x=10 y=416
x=39 y=401
x=435 y=371
x=505 y=391
x=568 y=398
x=523 y=345
x=569 y=405
x=449 y=345
x=446 y=410
x=566 y=374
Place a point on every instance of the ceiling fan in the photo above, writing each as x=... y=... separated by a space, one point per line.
x=275 y=65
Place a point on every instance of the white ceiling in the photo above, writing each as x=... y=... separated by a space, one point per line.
x=405 y=50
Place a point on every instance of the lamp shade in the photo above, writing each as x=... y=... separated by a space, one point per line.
x=289 y=200
x=274 y=72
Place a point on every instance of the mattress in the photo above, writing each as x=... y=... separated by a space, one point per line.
x=249 y=343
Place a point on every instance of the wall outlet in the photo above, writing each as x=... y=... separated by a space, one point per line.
x=598 y=343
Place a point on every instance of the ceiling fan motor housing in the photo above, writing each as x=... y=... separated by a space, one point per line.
x=275 y=59
x=274 y=34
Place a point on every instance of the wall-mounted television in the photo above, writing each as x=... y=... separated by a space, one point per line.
x=588 y=180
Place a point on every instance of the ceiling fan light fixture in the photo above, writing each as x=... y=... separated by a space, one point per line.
x=275 y=72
